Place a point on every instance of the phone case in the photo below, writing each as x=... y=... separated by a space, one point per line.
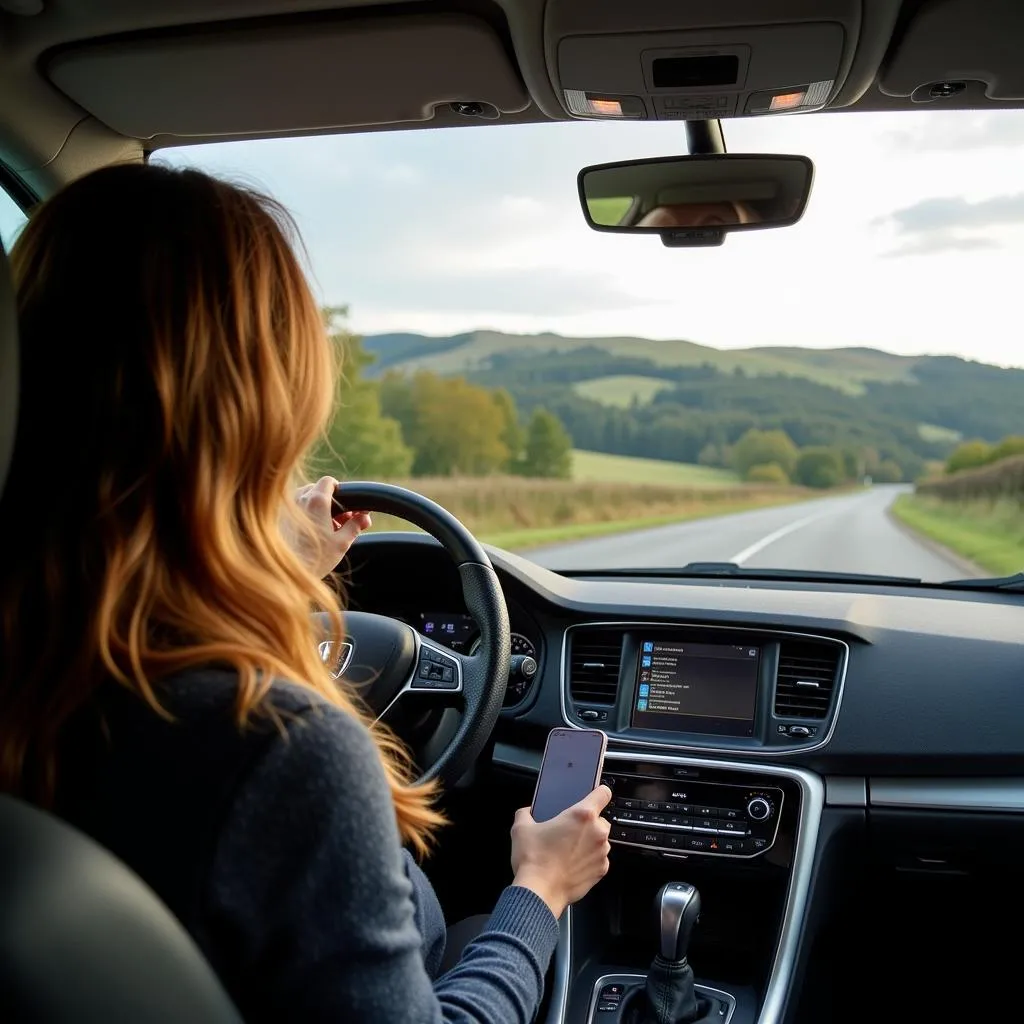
x=553 y=735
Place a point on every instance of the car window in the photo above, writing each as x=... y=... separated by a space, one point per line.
x=12 y=219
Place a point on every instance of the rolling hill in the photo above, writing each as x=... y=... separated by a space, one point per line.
x=685 y=402
x=846 y=370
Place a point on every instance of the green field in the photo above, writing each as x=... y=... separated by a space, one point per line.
x=609 y=211
x=626 y=469
x=942 y=435
x=621 y=390
x=989 y=534
x=843 y=369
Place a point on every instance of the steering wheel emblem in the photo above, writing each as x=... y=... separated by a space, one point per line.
x=342 y=659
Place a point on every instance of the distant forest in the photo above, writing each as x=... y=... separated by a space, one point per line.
x=703 y=410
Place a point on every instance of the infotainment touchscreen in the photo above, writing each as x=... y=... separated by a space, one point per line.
x=702 y=688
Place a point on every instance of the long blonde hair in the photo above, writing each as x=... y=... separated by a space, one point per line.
x=175 y=372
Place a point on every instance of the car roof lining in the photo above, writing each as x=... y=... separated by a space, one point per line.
x=85 y=83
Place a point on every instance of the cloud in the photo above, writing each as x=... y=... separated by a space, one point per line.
x=941 y=214
x=957 y=131
x=951 y=223
x=544 y=291
x=931 y=244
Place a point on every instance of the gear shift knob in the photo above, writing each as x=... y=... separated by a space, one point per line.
x=678 y=907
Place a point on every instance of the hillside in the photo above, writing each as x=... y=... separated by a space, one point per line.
x=689 y=403
x=846 y=370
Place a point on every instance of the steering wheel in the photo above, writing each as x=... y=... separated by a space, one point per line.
x=388 y=662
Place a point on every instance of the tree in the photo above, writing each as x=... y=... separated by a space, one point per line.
x=1008 y=447
x=819 y=467
x=360 y=440
x=453 y=426
x=767 y=473
x=969 y=455
x=760 y=447
x=548 y=447
x=887 y=472
x=512 y=435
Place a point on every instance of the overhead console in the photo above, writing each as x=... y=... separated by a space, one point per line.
x=727 y=59
x=700 y=688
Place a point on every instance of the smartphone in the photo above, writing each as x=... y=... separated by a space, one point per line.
x=571 y=768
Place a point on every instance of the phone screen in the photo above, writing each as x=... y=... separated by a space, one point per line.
x=570 y=770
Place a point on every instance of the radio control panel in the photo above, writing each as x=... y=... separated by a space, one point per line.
x=692 y=817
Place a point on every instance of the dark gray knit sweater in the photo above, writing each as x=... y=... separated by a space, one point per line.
x=281 y=856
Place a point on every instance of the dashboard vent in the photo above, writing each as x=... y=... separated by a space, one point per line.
x=594 y=660
x=806 y=679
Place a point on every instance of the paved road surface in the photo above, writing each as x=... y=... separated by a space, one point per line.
x=851 y=533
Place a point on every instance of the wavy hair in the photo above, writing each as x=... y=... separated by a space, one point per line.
x=175 y=373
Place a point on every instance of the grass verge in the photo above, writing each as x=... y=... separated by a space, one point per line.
x=989 y=533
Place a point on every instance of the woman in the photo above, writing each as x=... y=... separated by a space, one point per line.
x=699 y=215
x=160 y=686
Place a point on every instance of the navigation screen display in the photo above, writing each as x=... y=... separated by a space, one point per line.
x=684 y=687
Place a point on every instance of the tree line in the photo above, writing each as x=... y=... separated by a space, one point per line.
x=428 y=425
x=771 y=456
x=703 y=412
x=975 y=454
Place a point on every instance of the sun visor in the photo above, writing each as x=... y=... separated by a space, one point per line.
x=950 y=43
x=280 y=79
x=656 y=61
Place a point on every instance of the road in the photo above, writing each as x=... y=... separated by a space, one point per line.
x=849 y=533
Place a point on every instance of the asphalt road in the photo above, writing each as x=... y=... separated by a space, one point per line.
x=850 y=533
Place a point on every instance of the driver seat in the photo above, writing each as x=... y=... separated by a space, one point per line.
x=82 y=938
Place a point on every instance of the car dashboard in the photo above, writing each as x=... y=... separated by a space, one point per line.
x=764 y=738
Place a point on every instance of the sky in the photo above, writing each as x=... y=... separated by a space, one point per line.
x=912 y=241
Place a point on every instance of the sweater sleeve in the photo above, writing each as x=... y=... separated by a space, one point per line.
x=310 y=907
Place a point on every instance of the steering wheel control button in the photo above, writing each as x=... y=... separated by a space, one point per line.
x=435 y=671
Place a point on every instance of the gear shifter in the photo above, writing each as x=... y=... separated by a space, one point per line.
x=678 y=907
x=670 y=996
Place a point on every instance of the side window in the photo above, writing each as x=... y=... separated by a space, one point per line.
x=12 y=219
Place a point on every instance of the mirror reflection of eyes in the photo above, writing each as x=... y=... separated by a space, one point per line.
x=698 y=215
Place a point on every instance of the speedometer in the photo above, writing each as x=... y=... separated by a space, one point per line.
x=522 y=671
x=522 y=645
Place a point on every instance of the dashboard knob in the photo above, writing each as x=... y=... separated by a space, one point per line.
x=758 y=809
x=522 y=665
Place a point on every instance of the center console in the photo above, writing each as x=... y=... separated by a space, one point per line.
x=666 y=808
x=717 y=689
x=741 y=838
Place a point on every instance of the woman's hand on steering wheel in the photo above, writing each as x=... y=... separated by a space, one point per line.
x=335 y=533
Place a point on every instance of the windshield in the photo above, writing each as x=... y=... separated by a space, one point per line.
x=838 y=395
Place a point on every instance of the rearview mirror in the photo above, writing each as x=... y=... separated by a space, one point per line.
x=696 y=200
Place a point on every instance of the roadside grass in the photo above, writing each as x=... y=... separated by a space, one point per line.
x=519 y=513
x=989 y=533
x=599 y=466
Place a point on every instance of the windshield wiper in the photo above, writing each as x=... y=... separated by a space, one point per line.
x=1015 y=581
x=727 y=570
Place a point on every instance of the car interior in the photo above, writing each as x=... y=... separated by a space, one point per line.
x=854 y=823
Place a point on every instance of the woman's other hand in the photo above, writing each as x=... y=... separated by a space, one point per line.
x=561 y=860
x=335 y=532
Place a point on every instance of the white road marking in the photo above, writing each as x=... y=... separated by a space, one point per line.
x=771 y=538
